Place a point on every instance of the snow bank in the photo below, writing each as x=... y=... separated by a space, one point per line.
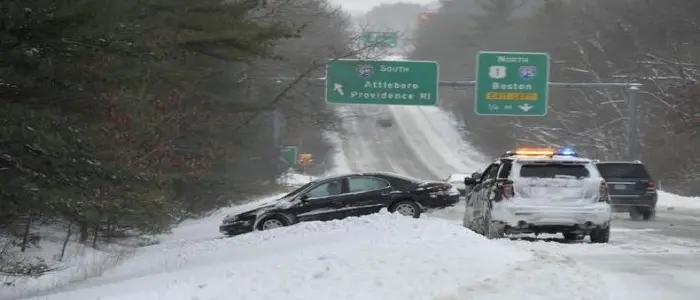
x=670 y=201
x=381 y=256
x=208 y=227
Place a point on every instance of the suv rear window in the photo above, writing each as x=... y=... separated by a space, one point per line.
x=554 y=171
x=622 y=170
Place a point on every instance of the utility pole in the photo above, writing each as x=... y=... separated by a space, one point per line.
x=632 y=130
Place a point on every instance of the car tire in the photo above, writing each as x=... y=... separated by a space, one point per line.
x=600 y=235
x=406 y=208
x=573 y=236
x=635 y=213
x=648 y=214
x=272 y=222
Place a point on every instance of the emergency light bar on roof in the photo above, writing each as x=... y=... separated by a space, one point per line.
x=542 y=152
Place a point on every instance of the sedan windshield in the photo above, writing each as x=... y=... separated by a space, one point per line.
x=297 y=191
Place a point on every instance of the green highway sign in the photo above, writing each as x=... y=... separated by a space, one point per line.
x=350 y=81
x=511 y=84
x=289 y=155
x=381 y=39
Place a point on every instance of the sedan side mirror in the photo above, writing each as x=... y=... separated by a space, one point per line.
x=304 y=198
x=469 y=181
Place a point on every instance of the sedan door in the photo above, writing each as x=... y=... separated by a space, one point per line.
x=366 y=195
x=323 y=202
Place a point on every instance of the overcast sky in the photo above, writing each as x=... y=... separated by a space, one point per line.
x=362 y=6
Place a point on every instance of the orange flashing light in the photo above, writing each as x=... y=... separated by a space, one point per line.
x=535 y=151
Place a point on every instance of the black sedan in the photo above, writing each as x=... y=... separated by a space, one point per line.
x=344 y=196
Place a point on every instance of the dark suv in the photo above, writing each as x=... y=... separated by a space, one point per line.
x=631 y=188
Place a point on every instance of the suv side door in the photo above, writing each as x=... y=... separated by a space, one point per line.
x=366 y=195
x=486 y=185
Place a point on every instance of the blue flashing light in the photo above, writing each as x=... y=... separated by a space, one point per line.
x=566 y=151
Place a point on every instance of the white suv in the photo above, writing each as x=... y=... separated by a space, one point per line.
x=540 y=191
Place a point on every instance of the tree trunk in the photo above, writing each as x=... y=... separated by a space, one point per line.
x=65 y=242
x=83 y=231
x=25 y=236
x=96 y=230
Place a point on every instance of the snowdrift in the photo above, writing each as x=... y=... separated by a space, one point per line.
x=382 y=256
x=671 y=201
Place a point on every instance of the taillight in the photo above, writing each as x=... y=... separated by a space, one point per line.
x=651 y=186
x=603 y=195
x=506 y=190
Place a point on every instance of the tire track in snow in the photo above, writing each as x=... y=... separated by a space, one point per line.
x=419 y=145
x=465 y=153
x=435 y=139
x=441 y=149
x=545 y=276
x=374 y=148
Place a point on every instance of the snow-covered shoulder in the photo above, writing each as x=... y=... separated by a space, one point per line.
x=671 y=201
x=382 y=256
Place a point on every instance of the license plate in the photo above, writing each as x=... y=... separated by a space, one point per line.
x=620 y=186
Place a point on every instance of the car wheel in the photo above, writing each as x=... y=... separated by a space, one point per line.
x=406 y=208
x=635 y=214
x=573 y=236
x=600 y=235
x=648 y=214
x=272 y=222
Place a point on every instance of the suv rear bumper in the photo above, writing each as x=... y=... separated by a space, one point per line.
x=551 y=219
x=622 y=203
